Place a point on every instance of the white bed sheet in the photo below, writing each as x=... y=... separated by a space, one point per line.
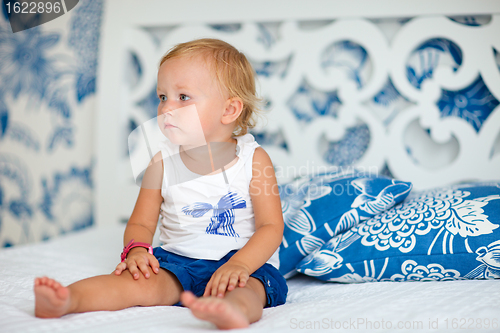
x=312 y=305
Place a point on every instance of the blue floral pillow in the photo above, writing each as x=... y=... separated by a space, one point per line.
x=317 y=208
x=445 y=234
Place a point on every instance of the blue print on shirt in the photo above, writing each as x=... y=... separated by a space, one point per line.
x=222 y=219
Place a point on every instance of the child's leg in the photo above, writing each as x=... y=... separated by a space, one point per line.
x=105 y=292
x=237 y=309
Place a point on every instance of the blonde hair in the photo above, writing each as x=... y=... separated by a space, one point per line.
x=233 y=71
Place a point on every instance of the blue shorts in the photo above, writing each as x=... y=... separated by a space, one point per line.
x=194 y=274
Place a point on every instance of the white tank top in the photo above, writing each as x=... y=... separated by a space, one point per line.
x=205 y=217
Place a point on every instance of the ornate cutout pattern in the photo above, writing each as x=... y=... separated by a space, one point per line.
x=346 y=92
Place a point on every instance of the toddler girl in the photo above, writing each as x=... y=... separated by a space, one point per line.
x=215 y=191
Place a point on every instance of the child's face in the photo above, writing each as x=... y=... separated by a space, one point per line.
x=191 y=105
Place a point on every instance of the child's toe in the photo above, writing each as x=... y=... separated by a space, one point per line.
x=188 y=298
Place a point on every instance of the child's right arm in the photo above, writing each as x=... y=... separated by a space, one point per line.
x=142 y=223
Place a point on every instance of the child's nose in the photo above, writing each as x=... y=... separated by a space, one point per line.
x=168 y=107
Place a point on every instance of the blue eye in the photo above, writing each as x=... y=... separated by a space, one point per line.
x=163 y=98
x=184 y=97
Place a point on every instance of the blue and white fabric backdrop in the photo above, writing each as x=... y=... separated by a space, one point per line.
x=47 y=103
x=47 y=100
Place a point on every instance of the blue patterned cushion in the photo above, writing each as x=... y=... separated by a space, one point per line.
x=317 y=208
x=445 y=234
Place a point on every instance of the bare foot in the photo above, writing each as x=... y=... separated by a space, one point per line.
x=215 y=310
x=51 y=298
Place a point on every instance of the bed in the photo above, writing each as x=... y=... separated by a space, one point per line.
x=449 y=306
x=381 y=87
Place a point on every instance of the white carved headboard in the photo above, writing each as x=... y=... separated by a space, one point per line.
x=408 y=88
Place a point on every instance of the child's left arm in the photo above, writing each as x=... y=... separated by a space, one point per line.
x=268 y=234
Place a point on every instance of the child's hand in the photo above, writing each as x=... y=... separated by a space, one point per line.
x=138 y=259
x=227 y=277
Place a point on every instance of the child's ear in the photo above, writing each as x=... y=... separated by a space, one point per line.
x=233 y=109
